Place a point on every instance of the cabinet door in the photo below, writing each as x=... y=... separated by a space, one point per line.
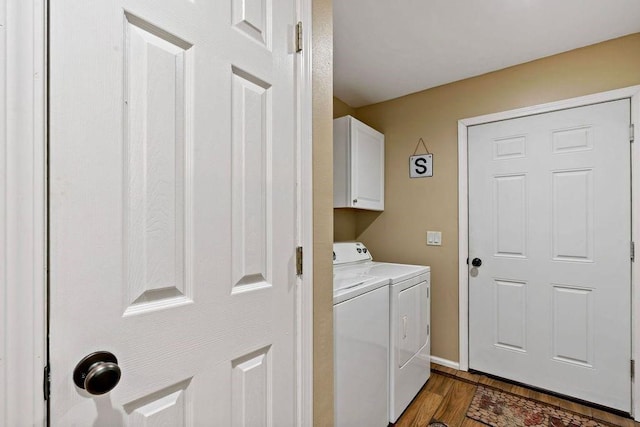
x=367 y=167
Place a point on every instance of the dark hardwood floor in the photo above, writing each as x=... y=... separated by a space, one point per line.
x=449 y=392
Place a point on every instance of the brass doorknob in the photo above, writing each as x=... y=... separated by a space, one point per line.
x=98 y=373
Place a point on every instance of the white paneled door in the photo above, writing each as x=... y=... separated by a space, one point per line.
x=550 y=223
x=173 y=212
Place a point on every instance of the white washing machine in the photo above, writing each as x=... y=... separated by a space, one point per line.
x=361 y=349
x=409 y=320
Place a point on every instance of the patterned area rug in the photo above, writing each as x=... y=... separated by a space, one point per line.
x=501 y=409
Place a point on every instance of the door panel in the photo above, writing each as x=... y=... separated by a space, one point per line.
x=510 y=219
x=171 y=124
x=157 y=195
x=510 y=321
x=572 y=210
x=549 y=215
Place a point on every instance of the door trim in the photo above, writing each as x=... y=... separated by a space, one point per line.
x=304 y=301
x=633 y=93
x=23 y=210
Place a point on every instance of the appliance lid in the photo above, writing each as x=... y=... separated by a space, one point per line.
x=395 y=272
x=349 y=285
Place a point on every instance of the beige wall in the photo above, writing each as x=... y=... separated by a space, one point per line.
x=341 y=108
x=344 y=220
x=322 y=45
x=414 y=206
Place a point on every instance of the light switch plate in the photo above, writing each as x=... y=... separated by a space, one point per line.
x=434 y=238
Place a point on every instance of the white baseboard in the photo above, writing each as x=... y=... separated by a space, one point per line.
x=445 y=362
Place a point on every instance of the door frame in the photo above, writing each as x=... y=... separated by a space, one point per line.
x=23 y=213
x=632 y=93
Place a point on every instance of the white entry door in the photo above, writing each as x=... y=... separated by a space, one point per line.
x=172 y=212
x=550 y=220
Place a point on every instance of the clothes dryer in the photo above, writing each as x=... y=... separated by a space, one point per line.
x=409 y=319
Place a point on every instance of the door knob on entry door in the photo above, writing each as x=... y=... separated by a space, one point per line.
x=477 y=262
x=98 y=373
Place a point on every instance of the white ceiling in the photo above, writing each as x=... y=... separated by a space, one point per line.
x=388 y=48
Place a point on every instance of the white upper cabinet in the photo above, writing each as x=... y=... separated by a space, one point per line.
x=358 y=165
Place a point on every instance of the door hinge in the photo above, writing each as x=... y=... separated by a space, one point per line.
x=428 y=329
x=299 y=37
x=631 y=133
x=633 y=369
x=46 y=383
x=633 y=251
x=299 y=261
